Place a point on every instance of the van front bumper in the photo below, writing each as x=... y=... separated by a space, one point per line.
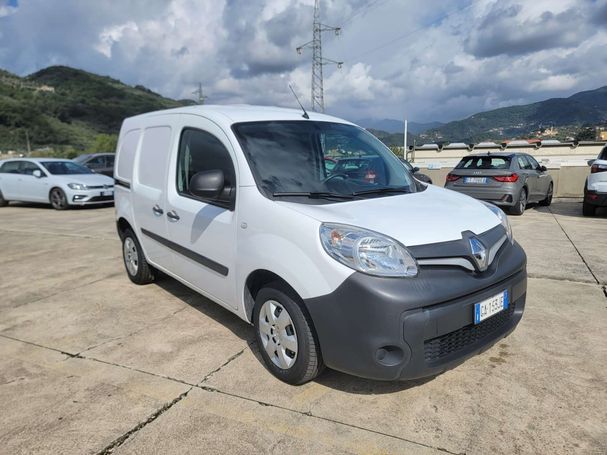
x=408 y=328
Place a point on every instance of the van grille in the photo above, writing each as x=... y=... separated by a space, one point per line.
x=444 y=345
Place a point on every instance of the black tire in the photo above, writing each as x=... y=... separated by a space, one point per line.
x=57 y=199
x=308 y=362
x=142 y=272
x=3 y=202
x=548 y=200
x=588 y=209
x=521 y=203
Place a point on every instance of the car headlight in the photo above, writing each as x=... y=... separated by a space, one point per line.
x=77 y=186
x=367 y=251
x=502 y=217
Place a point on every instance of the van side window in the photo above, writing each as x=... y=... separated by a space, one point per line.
x=201 y=151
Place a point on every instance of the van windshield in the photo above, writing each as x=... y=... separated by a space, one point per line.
x=320 y=160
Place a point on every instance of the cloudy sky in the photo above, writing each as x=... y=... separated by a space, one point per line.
x=430 y=59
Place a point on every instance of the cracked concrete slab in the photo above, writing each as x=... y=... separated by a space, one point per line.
x=549 y=253
x=54 y=405
x=589 y=235
x=542 y=389
x=213 y=423
x=78 y=319
x=35 y=266
x=188 y=346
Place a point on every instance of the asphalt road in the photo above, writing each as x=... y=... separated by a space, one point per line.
x=90 y=363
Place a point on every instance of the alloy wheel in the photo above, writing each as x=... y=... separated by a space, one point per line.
x=58 y=199
x=131 y=257
x=278 y=334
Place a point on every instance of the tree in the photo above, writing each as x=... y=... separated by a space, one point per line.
x=104 y=143
x=585 y=134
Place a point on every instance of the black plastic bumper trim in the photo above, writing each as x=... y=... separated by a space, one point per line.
x=202 y=260
x=368 y=318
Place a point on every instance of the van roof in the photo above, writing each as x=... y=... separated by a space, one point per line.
x=236 y=113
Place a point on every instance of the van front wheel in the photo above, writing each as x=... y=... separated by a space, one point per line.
x=137 y=268
x=285 y=335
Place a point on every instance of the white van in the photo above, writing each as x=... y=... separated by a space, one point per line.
x=365 y=270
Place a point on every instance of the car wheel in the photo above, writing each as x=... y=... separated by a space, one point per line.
x=3 y=202
x=137 y=268
x=285 y=335
x=521 y=203
x=58 y=199
x=546 y=202
x=588 y=209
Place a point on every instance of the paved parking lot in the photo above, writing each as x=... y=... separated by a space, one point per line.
x=90 y=363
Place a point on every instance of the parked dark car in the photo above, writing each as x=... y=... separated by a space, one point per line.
x=415 y=171
x=101 y=163
x=510 y=180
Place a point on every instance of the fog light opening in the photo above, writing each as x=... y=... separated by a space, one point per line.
x=389 y=355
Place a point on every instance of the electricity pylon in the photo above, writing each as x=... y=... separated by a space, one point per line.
x=200 y=94
x=318 y=61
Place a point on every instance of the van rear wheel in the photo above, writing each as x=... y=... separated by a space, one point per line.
x=285 y=335
x=137 y=268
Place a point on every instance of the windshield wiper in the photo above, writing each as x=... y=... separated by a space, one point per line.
x=314 y=194
x=402 y=189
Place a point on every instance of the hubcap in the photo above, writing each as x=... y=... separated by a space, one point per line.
x=278 y=335
x=131 y=258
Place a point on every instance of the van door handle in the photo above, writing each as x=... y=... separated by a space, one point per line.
x=157 y=210
x=173 y=215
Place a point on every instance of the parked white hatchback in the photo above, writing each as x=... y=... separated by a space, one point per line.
x=385 y=278
x=62 y=183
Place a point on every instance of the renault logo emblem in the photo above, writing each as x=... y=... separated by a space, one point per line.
x=479 y=253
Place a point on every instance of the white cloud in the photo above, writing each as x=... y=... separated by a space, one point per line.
x=434 y=60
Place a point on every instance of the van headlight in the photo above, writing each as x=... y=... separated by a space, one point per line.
x=367 y=251
x=77 y=186
x=503 y=219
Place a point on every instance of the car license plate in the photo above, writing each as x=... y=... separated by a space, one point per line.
x=491 y=306
x=475 y=179
x=107 y=193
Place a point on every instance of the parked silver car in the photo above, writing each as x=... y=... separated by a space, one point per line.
x=510 y=180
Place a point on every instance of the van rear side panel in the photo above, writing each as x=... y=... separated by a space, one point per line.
x=129 y=141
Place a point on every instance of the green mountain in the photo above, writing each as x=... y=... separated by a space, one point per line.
x=583 y=108
x=62 y=107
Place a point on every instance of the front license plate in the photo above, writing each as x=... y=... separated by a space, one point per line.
x=475 y=180
x=107 y=193
x=491 y=306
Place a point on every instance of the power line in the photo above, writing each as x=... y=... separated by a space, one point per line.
x=411 y=32
x=365 y=9
x=318 y=61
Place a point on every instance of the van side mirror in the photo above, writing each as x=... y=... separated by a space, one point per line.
x=37 y=173
x=207 y=184
x=591 y=162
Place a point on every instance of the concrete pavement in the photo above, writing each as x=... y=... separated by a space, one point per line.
x=90 y=363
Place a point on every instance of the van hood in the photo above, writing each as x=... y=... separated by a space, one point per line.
x=85 y=179
x=430 y=216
